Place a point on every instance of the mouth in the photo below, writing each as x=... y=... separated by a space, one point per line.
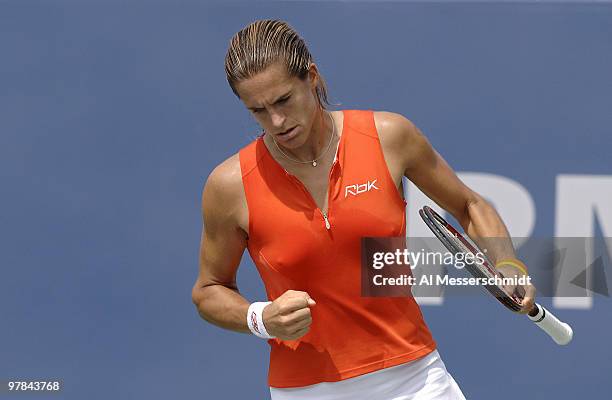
x=287 y=135
x=288 y=131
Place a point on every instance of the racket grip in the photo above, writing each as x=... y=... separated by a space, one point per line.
x=559 y=331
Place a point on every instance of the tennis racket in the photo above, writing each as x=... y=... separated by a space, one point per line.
x=456 y=243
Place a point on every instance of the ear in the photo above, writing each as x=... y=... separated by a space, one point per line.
x=313 y=76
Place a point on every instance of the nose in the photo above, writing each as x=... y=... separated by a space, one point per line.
x=278 y=119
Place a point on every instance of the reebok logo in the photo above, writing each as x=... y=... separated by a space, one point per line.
x=360 y=188
x=254 y=322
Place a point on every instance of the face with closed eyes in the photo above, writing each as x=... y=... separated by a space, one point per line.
x=284 y=106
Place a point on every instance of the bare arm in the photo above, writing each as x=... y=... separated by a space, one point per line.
x=430 y=173
x=223 y=242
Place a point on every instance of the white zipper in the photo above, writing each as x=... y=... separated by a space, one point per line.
x=327 y=224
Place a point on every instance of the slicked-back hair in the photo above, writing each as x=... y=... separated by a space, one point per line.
x=265 y=42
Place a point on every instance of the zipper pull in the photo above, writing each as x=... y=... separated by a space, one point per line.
x=327 y=224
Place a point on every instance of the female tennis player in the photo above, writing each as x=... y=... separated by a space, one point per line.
x=299 y=198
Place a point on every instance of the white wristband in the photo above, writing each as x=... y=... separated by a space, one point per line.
x=255 y=320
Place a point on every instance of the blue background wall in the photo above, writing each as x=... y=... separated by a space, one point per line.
x=113 y=113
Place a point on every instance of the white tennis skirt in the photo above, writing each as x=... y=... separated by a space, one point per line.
x=423 y=379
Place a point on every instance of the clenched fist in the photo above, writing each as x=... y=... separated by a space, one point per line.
x=288 y=317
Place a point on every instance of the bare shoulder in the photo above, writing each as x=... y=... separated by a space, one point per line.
x=223 y=196
x=388 y=119
x=401 y=138
x=394 y=128
x=225 y=179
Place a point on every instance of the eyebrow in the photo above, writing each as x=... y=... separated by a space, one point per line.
x=278 y=99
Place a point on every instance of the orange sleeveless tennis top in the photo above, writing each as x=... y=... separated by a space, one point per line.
x=295 y=248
